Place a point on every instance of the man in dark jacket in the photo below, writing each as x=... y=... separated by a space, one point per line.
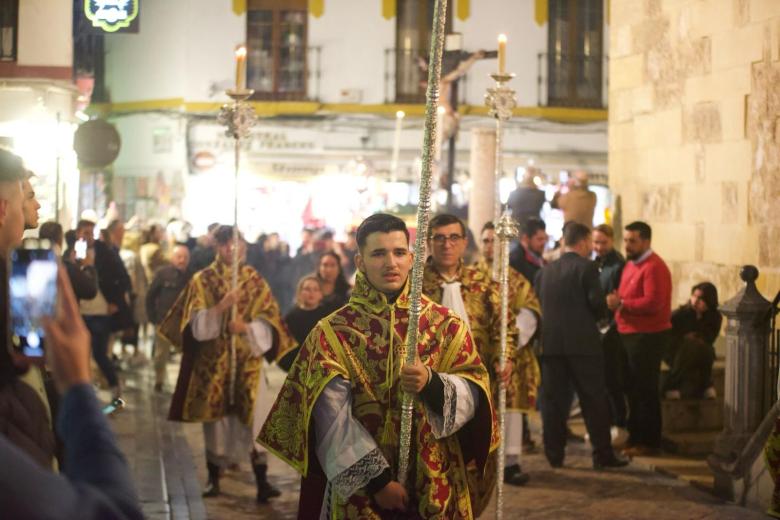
x=572 y=302
x=527 y=258
x=610 y=264
x=166 y=286
x=96 y=482
x=527 y=200
x=110 y=310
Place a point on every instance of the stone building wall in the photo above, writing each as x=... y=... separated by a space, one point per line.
x=694 y=134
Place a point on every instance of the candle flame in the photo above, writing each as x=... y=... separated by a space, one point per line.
x=400 y=114
x=502 y=38
x=441 y=110
x=241 y=52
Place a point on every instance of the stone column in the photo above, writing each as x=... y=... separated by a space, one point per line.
x=747 y=335
x=482 y=170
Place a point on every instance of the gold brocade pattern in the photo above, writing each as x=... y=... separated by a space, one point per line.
x=206 y=397
x=482 y=300
x=363 y=343
x=527 y=376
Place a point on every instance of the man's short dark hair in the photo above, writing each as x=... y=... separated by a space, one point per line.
x=212 y=227
x=70 y=239
x=379 y=223
x=532 y=226
x=11 y=167
x=83 y=223
x=51 y=231
x=605 y=229
x=644 y=230
x=445 y=219
x=113 y=225
x=575 y=233
x=488 y=225
x=224 y=235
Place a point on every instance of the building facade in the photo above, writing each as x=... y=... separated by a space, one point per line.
x=694 y=141
x=330 y=77
x=38 y=98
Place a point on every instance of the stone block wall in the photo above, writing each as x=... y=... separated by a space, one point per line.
x=694 y=134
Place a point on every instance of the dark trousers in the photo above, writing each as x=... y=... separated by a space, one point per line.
x=691 y=369
x=615 y=370
x=644 y=353
x=100 y=329
x=586 y=374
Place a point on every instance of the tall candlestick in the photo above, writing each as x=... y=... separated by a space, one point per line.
x=501 y=53
x=399 y=120
x=240 y=67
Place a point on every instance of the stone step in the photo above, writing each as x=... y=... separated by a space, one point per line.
x=692 y=444
x=692 y=415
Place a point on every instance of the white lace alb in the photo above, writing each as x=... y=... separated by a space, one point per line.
x=358 y=475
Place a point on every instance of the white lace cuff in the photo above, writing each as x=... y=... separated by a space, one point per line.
x=359 y=474
x=460 y=400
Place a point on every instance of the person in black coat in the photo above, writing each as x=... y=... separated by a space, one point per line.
x=527 y=258
x=335 y=288
x=113 y=279
x=610 y=263
x=695 y=327
x=308 y=311
x=572 y=303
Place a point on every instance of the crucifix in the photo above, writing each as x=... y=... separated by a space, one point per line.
x=456 y=64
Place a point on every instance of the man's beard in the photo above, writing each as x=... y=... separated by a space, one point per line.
x=632 y=256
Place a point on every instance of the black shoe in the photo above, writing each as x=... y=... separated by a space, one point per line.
x=265 y=490
x=609 y=462
x=212 y=485
x=514 y=476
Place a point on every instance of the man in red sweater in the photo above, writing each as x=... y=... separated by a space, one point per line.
x=643 y=312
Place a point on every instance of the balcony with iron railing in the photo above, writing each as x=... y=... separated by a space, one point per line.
x=289 y=73
x=569 y=80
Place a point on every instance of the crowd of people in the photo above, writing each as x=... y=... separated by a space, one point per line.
x=584 y=324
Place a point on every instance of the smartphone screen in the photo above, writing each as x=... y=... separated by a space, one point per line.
x=81 y=249
x=33 y=296
x=114 y=406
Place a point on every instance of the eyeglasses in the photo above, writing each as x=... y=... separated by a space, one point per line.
x=440 y=240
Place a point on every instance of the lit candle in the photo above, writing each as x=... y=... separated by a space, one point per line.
x=501 y=53
x=240 y=67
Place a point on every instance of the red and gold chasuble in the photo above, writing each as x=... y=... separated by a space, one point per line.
x=206 y=376
x=526 y=377
x=363 y=343
x=481 y=298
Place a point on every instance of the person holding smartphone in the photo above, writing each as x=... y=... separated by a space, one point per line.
x=24 y=409
x=96 y=481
